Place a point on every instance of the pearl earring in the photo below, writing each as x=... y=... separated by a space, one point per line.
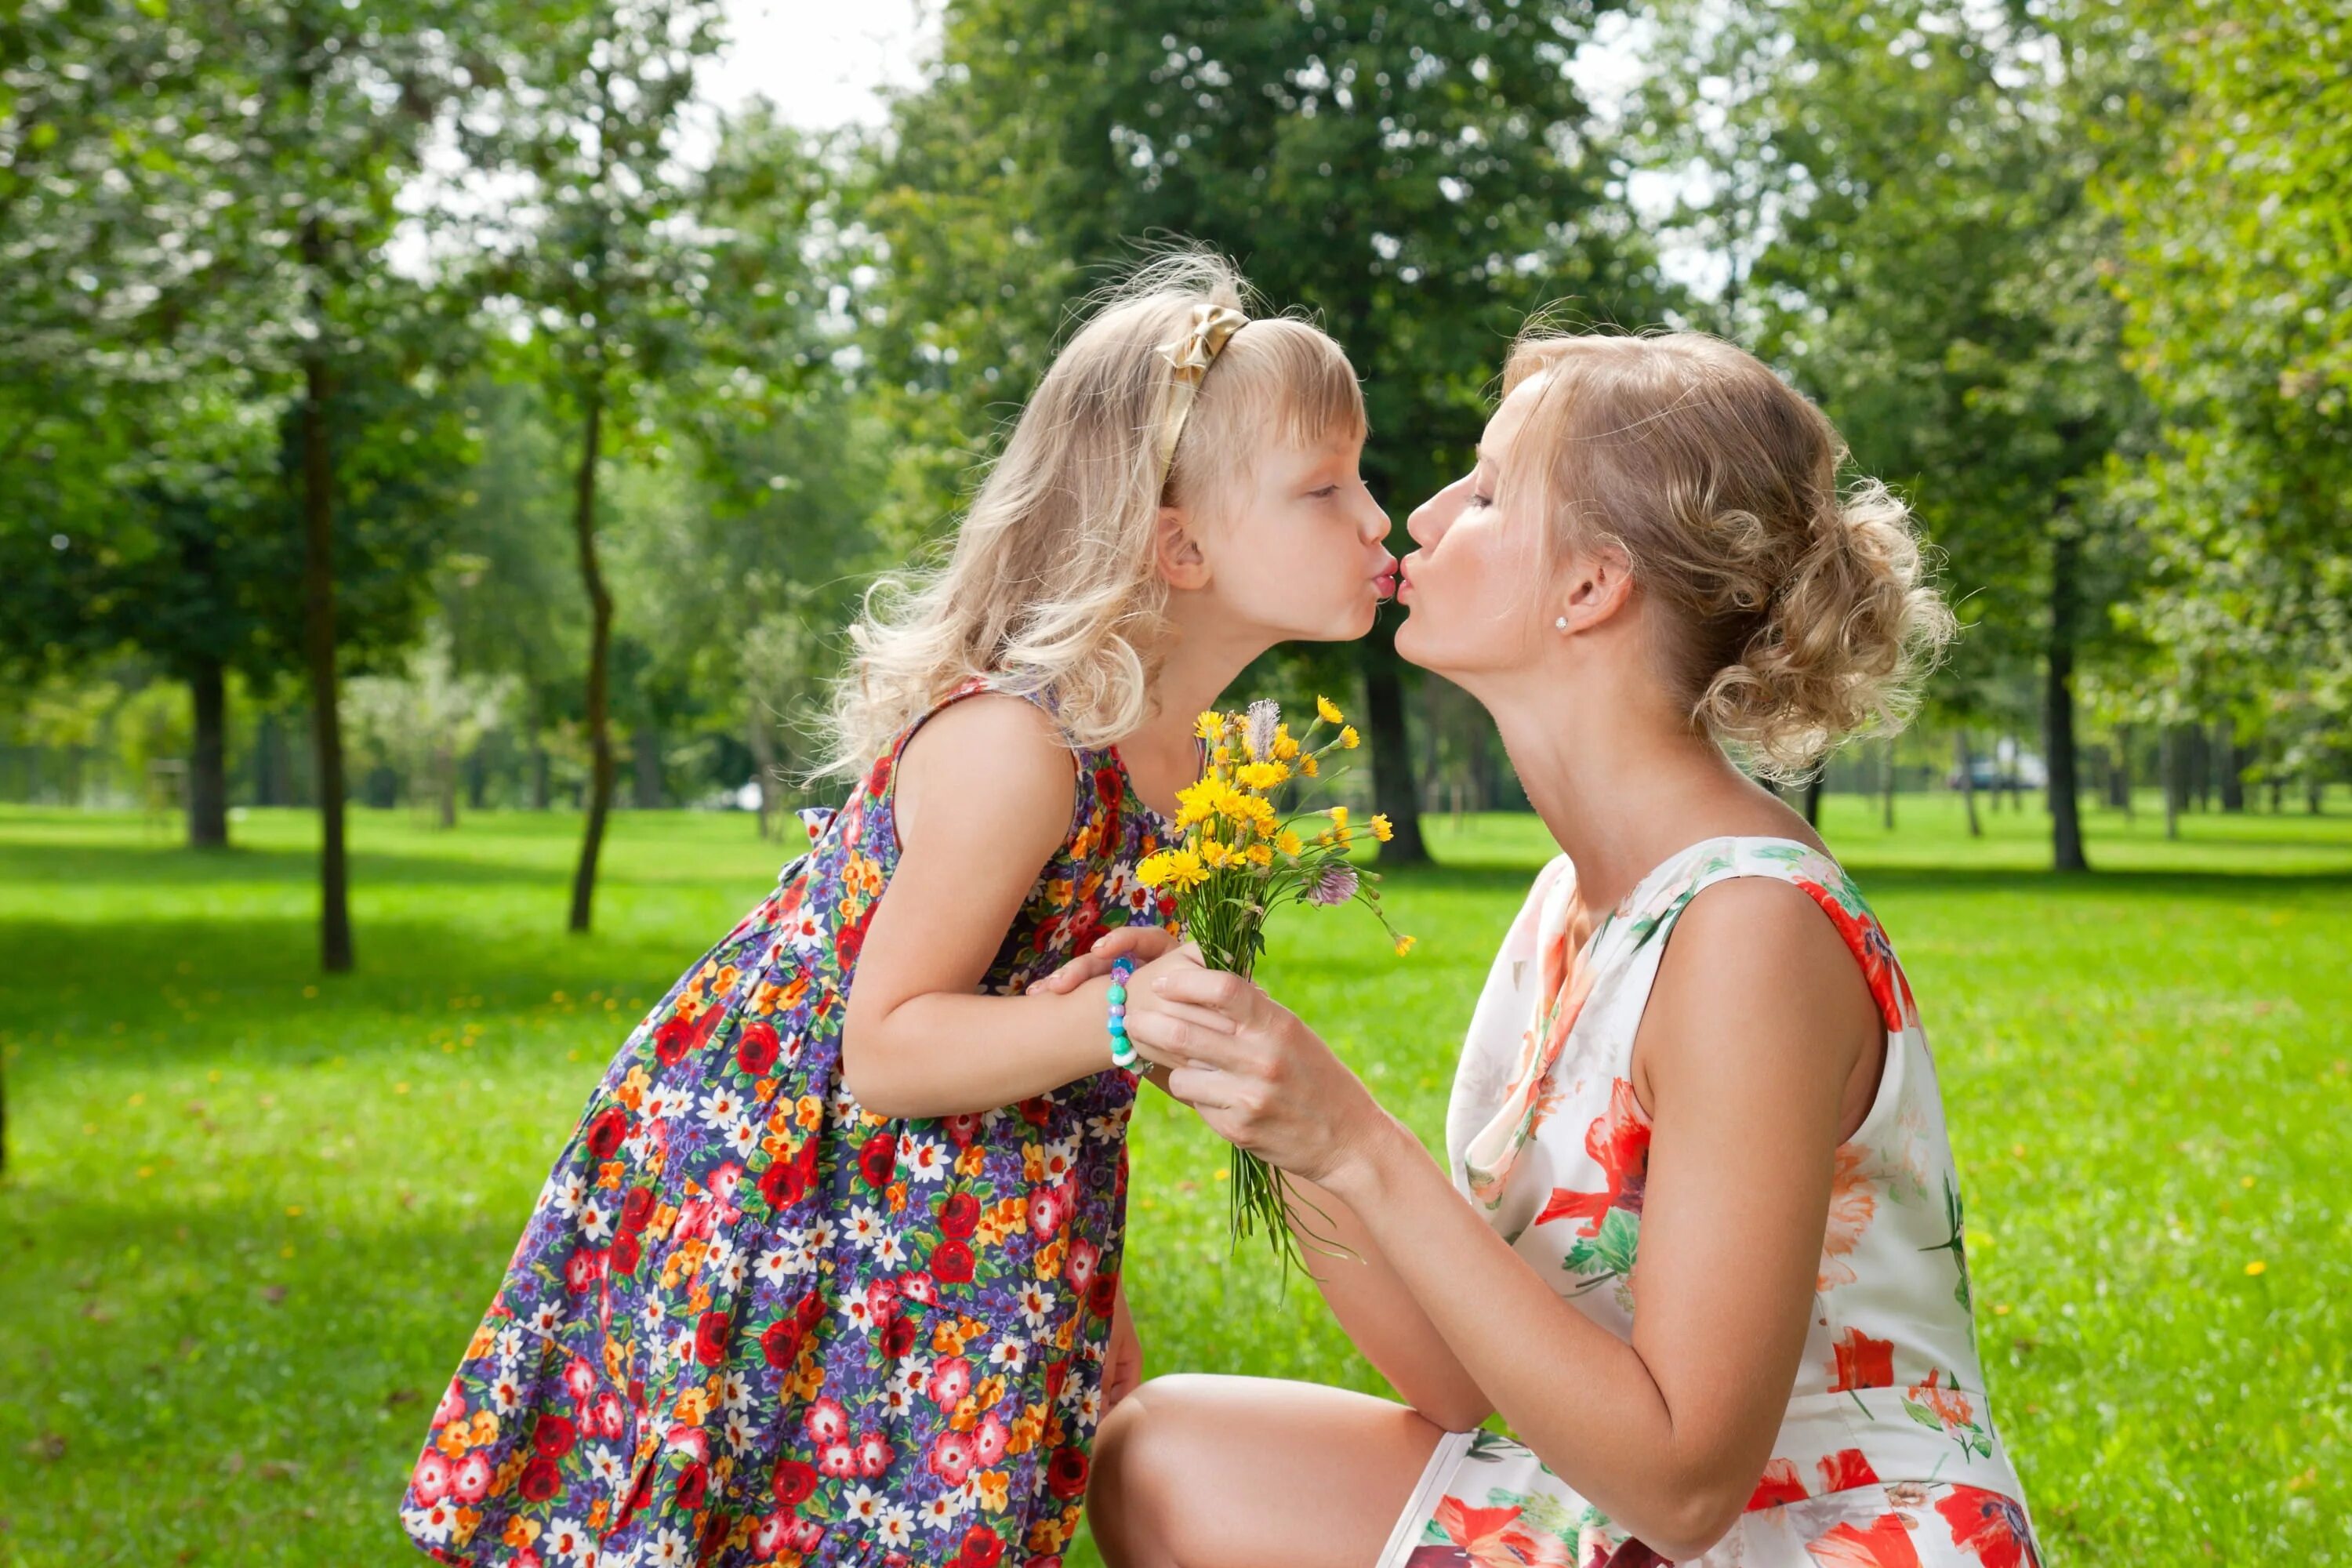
x=1561 y=623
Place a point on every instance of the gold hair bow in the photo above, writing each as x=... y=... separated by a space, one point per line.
x=1189 y=359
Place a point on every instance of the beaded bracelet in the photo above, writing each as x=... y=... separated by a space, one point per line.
x=1122 y=1049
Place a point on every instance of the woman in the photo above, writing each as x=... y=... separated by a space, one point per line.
x=1738 y=1129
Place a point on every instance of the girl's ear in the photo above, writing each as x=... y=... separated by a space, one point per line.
x=1177 y=553
x=1597 y=583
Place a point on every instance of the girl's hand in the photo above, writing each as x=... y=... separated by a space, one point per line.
x=1141 y=942
x=1123 y=1361
x=1262 y=1080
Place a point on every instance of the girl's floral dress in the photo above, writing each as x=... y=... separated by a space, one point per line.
x=1887 y=1457
x=751 y=1321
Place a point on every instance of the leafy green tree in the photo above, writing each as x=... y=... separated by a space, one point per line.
x=1927 y=263
x=598 y=257
x=2240 y=327
x=1423 y=176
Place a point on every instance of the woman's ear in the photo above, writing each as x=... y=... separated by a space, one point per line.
x=1596 y=584
x=1177 y=553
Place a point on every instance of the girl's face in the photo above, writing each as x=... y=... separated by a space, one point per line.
x=1298 y=550
x=1474 y=589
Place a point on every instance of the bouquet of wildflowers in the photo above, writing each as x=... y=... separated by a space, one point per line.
x=1239 y=857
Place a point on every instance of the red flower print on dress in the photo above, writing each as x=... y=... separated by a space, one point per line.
x=1845 y=1470
x=756 y=1048
x=1863 y=1361
x=1620 y=1141
x=1494 y=1537
x=1885 y=1544
x=1990 y=1524
x=1866 y=939
x=1780 y=1484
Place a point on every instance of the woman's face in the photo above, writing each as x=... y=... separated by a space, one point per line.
x=1474 y=588
x=1301 y=554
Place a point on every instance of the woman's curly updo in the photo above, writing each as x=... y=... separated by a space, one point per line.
x=1795 y=613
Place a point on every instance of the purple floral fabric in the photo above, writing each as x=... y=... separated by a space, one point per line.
x=751 y=1321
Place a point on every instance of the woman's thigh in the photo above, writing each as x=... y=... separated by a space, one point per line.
x=1197 y=1471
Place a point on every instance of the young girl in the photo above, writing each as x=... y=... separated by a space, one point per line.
x=829 y=1271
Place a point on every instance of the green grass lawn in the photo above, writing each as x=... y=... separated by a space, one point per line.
x=254 y=1214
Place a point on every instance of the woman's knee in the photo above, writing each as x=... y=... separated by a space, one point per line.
x=1143 y=1451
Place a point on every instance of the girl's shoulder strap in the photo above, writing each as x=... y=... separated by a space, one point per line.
x=880 y=779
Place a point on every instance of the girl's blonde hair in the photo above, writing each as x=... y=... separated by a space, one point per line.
x=1796 y=615
x=1052 y=583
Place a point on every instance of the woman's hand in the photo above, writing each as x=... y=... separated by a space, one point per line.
x=1260 y=1079
x=1123 y=1360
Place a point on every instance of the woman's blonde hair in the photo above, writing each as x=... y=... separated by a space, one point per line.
x=1052 y=583
x=1796 y=615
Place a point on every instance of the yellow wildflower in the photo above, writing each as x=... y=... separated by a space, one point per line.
x=1288 y=843
x=1349 y=739
x=1404 y=946
x=1328 y=709
x=1309 y=766
x=1209 y=725
x=1339 y=818
x=1152 y=870
x=1259 y=854
x=1213 y=855
x=1185 y=870
x=1222 y=755
x=1262 y=775
x=1285 y=748
x=1380 y=828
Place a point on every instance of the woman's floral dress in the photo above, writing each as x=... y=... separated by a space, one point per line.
x=751 y=1321
x=1887 y=1457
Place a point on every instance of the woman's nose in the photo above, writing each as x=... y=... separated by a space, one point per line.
x=1426 y=526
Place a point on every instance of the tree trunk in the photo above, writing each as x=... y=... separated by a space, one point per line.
x=1886 y=785
x=1813 y=799
x=1394 y=793
x=2058 y=709
x=319 y=653
x=445 y=783
x=763 y=765
x=645 y=770
x=2167 y=762
x=208 y=764
x=2200 y=766
x=600 y=638
x=2119 y=779
x=1967 y=763
x=477 y=775
x=2233 y=758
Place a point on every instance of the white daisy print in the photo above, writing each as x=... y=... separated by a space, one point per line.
x=567 y=1194
x=721 y=1107
x=863 y=1503
x=923 y=1159
x=1037 y=1306
x=898 y=1526
x=774 y=1264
